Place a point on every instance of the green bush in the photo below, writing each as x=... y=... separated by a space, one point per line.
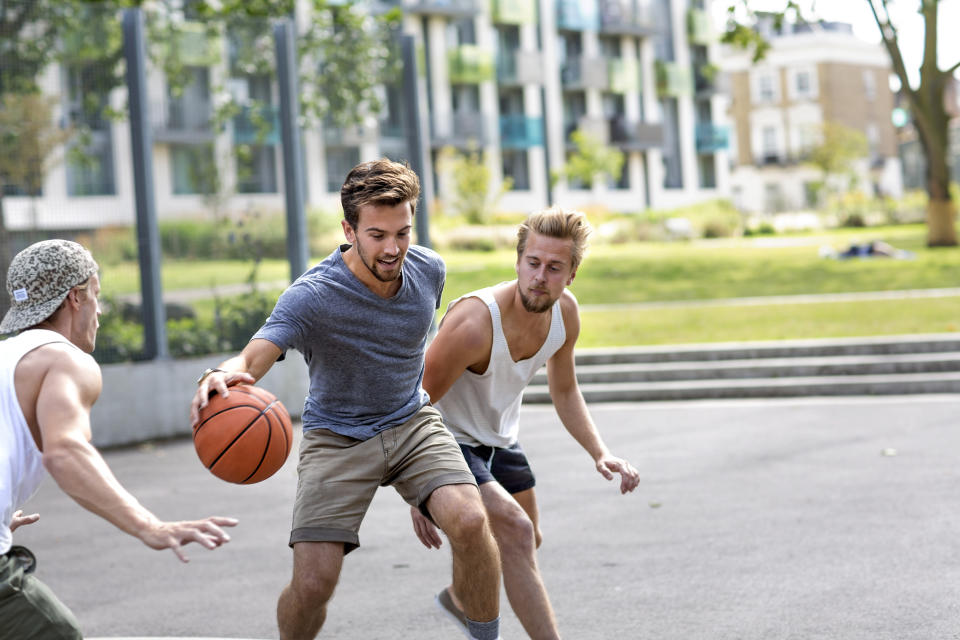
x=120 y=338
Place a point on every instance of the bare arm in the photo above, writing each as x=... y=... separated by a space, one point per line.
x=462 y=341
x=248 y=366
x=67 y=393
x=572 y=408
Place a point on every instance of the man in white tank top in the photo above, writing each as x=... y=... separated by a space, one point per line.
x=489 y=346
x=48 y=384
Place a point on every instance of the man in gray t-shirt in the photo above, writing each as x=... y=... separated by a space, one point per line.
x=360 y=318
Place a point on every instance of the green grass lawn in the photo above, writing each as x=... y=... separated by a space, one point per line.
x=699 y=270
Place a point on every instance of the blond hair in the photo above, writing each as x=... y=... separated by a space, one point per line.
x=557 y=222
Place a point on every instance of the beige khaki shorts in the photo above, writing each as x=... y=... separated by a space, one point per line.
x=338 y=476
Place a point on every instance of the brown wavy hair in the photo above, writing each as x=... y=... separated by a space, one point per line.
x=378 y=182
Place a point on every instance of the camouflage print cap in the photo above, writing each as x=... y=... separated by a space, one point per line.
x=40 y=277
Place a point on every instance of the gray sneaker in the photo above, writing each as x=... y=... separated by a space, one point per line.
x=445 y=602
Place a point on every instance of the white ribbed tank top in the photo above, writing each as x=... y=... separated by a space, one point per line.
x=21 y=469
x=484 y=409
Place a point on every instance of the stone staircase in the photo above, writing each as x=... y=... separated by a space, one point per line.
x=829 y=367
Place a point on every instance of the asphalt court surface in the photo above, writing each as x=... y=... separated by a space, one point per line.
x=810 y=518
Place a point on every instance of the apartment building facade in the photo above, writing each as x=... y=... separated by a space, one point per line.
x=513 y=78
x=812 y=75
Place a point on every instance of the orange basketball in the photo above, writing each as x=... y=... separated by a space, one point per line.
x=245 y=437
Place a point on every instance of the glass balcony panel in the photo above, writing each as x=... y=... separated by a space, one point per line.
x=711 y=137
x=699 y=27
x=577 y=15
x=521 y=132
x=514 y=11
x=470 y=64
x=257 y=124
x=673 y=79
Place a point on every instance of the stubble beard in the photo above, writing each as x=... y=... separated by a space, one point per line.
x=534 y=306
x=372 y=266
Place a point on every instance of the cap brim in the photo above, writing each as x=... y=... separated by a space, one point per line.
x=19 y=318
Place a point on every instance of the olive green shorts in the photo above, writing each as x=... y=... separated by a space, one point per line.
x=28 y=608
x=338 y=476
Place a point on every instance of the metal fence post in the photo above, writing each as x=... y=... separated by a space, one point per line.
x=414 y=134
x=284 y=34
x=148 y=236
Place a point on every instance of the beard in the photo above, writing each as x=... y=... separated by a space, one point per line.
x=374 y=268
x=541 y=305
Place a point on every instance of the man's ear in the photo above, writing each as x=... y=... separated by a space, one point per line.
x=348 y=232
x=573 y=274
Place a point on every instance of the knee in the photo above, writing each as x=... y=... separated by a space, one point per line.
x=315 y=589
x=518 y=532
x=468 y=524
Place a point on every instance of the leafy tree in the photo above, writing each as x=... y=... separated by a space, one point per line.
x=839 y=148
x=344 y=55
x=469 y=182
x=591 y=159
x=926 y=98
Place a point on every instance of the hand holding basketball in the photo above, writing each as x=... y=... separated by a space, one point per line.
x=244 y=437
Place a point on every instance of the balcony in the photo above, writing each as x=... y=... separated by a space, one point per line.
x=470 y=64
x=518 y=68
x=462 y=129
x=596 y=128
x=177 y=121
x=627 y=17
x=514 y=11
x=448 y=8
x=521 y=132
x=257 y=124
x=711 y=138
x=623 y=77
x=335 y=135
x=196 y=47
x=699 y=27
x=577 y=15
x=673 y=80
x=635 y=136
x=708 y=79
x=579 y=73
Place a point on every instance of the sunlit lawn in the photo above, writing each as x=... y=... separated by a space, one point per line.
x=701 y=270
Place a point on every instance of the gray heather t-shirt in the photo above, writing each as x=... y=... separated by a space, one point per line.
x=364 y=352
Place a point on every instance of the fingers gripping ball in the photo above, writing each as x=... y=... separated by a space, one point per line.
x=245 y=437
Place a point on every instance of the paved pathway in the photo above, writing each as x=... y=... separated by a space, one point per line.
x=754 y=520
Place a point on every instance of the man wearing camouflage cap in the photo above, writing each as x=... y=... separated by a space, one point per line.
x=48 y=384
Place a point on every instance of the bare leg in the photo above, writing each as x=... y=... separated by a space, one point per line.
x=302 y=607
x=518 y=537
x=458 y=511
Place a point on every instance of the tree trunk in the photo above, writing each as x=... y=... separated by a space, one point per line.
x=933 y=128
x=941 y=210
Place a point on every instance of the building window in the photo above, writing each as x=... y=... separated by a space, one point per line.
x=869 y=85
x=708 y=171
x=773 y=198
x=804 y=88
x=340 y=160
x=90 y=174
x=770 y=149
x=672 y=167
x=257 y=169
x=193 y=169
x=766 y=89
x=516 y=167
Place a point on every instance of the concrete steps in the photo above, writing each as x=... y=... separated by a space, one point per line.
x=858 y=366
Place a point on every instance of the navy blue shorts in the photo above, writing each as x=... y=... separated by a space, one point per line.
x=507 y=466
